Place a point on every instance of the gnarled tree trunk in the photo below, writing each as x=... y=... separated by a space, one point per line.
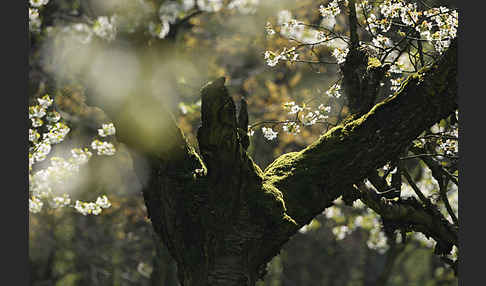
x=223 y=218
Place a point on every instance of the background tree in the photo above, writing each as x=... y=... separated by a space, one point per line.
x=120 y=73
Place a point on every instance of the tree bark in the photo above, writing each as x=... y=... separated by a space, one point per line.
x=223 y=218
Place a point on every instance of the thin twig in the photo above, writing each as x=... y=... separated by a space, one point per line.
x=443 y=195
x=428 y=155
x=415 y=188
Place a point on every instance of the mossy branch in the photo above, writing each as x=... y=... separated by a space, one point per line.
x=411 y=215
x=312 y=178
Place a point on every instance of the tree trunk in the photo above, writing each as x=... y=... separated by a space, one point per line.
x=223 y=219
x=164 y=268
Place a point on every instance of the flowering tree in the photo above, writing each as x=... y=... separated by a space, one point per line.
x=221 y=216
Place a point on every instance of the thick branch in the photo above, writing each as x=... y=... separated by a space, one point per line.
x=312 y=178
x=409 y=214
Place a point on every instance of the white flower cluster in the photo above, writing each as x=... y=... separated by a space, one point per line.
x=341 y=231
x=283 y=17
x=407 y=12
x=377 y=240
x=325 y=108
x=56 y=131
x=188 y=4
x=210 y=5
x=383 y=42
x=160 y=30
x=103 y=148
x=423 y=240
x=38 y=3
x=251 y=131
x=334 y=91
x=269 y=29
x=34 y=20
x=446 y=22
x=94 y=208
x=286 y=55
x=81 y=32
x=340 y=54
x=35 y=205
x=396 y=83
x=107 y=130
x=272 y=58
x=244 y=6
x=292 y=29
x=169 y=11
x=292 y=108
x=42 y=135
x=62 y=201
x=333 y=212
x=269 y=133
x=367 y=220
x=331 y=10
x=291 y=127
x=305 y=116
x=105 y=27
x=437 y=25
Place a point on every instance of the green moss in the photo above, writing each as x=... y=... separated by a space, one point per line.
x=282 y=166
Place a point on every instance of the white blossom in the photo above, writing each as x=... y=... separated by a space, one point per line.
x=423 y=240
x=38 y=3
x=210 y=5
x=331 y=10
x=341 y=231
x=169 y=11
x=269 y=29
x=409 y=14
x=57 y=174
x=107 y=129
x=36 y=111
x=272 y=58
x=377 y=239
x=283 y=17
x=291 y=127
x=45 y=101
x=324 y=108
x=244 y=6
x=61 y=201
x=33 y=135
x=34 y=20
x=36 y=122
x=56 y=133
x=103 y=148
x=103 y=202
x=53 y=116
x=269 y=133
x=160 y=30
x=188 y=4
x=80 y=156
x=292 y=107
x=382 y=42
x=105 y=28
x=42 y=150
x=340 y=54
x=81 y=32
x=35 y=205
x=333 y=91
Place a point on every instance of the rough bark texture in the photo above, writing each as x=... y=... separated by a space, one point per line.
x=223 y=218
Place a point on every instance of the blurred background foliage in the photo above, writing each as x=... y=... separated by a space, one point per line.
x=119 y=246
